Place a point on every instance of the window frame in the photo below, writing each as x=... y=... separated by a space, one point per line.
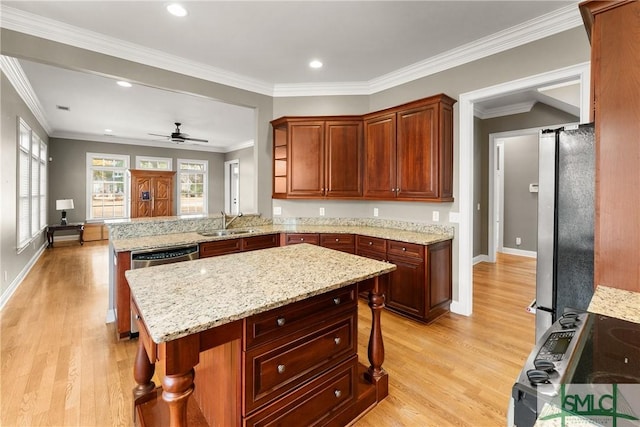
x=89 y=187
x=31 y=185
x=205 y=186
x=140 y=159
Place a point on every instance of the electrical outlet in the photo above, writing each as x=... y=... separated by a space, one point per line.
x=518 y=241
x=277 y=210
x=436 y=216
x=321 y=211
x=375 y=211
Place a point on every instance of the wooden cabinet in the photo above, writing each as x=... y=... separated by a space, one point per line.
x=260 y=242
x=409 y=151
x=401 y=153
x=613 y=28
x=421 y=286
x=151 y=193
x=296 y=238
x=122 y=294
x=339 y=242
x=317 y=157
x=235 y=245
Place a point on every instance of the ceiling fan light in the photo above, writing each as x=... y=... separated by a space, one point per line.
x=315 y=64
x=177 y=10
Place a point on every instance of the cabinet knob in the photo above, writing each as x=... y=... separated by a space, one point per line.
x=337 y=393
x=336 y=300
x=302 y=239
x=280 y=321
x=137 y=317
x=404 y=249
x=337 y=340
x=370 y=243
x=281 y=369
x=337 y=240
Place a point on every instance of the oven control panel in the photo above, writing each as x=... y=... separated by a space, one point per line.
x=556 y=345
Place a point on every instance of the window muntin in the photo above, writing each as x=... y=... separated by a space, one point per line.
x=32 y=185
x=192 y=192
x=154 y=163
x=107 y=186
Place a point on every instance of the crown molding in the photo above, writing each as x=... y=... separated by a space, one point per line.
x=544 y=26
x=507 y=110
x=12 y=69
x=538 y=28
x=35 y=25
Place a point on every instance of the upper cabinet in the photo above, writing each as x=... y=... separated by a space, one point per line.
x=409 y=151
x=317 y=157
x=151 y=193
x=402 y=153
x=614 y=28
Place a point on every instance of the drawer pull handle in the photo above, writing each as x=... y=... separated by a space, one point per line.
x=336 y=300
x=337 y=340
x=370 y=243
x=280 y=321
x=337 y=240
x=137 y=317
x=404 y=249
x=337 y=393
x=281 y=369
x=302 y=239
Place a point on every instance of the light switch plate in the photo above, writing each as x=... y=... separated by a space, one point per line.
x=375 y=211
x=435 y=216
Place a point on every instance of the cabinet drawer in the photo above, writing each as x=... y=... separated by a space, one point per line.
x=294 y=238
x=370 y=244
x=315 y=403
x=296 y=317
x=341 y=242
x=405 y=249
x=272 y=370
x=220 y=247
x=260 y=242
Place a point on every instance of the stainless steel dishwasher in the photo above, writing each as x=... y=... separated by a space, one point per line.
x=149 y=258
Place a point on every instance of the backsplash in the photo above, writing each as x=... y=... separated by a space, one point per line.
x=368 y=222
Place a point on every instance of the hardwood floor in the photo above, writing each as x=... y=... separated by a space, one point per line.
x=62 y=366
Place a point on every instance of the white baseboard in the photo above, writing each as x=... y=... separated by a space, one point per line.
x=6 y=295
x=458 y=308
x=111 y=316
x=520 y=252
x=481 y=258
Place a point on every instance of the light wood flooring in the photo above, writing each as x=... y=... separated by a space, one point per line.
x=62 y=366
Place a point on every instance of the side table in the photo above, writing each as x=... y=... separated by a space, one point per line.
x=76 y=226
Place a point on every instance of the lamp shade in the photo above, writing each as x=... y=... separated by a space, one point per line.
x=64 y=204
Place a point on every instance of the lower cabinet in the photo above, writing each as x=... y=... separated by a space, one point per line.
x=296 y=238
x=420 y=287
x=231 y=246
x=339 y=242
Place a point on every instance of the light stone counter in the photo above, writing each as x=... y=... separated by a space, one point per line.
x=176 y=300
x=178 y=239
x=616 y=303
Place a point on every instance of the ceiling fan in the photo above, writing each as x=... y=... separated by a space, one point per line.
x=179 y=137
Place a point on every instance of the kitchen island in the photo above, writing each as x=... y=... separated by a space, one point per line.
x=267 y=336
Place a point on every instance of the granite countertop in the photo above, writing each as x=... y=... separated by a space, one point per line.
x=176 y=300
x=616 y=303
x=179 y=239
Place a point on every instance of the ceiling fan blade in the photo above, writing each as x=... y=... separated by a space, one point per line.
x=157 y=134
x=196 y=139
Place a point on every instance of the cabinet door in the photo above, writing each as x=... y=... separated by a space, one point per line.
x=405 y=291
x=162 y=200
x=343 y=155
x=306 y=159
x=380 y=157
x=417 y=152
x=141 y=197
x=439 y=281
x=296 y=238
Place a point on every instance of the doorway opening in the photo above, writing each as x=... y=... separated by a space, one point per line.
x=232 y=187
x=464 y=302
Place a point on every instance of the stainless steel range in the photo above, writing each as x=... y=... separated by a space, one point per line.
x=586 y=366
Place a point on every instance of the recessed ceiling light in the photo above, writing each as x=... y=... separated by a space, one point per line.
x=124 y=84
x=108 y=130
x=177 y=10
x=315 y=64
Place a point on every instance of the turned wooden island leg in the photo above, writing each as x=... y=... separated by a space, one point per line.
x=176 y=390
x=376 y=374
x=143 y=371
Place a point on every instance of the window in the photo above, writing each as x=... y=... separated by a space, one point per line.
x=154 y=163
x=107 y=189
x=192 y=179
x=32 y=185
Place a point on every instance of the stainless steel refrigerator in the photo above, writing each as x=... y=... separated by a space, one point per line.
x=566 y=211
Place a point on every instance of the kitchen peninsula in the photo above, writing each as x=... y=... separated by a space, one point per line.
x=265 y=335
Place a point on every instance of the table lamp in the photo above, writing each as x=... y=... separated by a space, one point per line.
x=63 y=205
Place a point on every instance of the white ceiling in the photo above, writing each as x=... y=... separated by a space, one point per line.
x=263 y=46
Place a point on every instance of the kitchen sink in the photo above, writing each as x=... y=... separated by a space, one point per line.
x=214 y=233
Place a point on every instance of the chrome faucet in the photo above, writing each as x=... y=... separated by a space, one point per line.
x=225 y=224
